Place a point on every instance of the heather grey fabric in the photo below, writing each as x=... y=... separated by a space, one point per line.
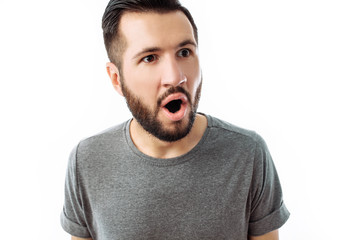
x=224 y=188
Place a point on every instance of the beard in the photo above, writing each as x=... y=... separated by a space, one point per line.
x=148 y=118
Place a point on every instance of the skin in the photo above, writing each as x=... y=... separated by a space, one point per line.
x=161 y=51
x=274 y=235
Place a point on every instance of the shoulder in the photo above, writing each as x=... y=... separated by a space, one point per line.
x=101 y=143
x=105 y=136
x=228 y=131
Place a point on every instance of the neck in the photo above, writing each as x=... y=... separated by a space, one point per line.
x=154 y=147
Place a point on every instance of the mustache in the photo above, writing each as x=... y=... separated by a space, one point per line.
x=173 y=90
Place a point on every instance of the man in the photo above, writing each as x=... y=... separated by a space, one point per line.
x=170 y=172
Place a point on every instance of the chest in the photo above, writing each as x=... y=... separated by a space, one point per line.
x=181 y=202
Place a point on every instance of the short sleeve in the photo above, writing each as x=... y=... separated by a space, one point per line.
x=268 y=211
x=73 y=217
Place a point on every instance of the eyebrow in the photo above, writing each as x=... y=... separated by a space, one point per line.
x=155 y=49
x=186 y=42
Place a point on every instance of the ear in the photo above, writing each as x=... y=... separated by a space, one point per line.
x=114 y=75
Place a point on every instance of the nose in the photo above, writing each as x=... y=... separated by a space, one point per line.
x=173 y=74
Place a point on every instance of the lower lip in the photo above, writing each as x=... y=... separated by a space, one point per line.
x=177 y=116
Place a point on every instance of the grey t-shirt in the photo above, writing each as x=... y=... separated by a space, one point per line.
x=226 y=187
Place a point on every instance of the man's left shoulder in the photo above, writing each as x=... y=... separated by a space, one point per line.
x=231 y=130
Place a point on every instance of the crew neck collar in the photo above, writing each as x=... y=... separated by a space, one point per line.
x=166 y=161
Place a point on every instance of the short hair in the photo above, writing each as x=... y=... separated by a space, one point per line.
x=114 y=43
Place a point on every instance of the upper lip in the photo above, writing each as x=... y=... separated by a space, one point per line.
x=172 y=97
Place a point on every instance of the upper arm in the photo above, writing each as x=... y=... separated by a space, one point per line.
x=274 y=235
x=267 y=209
x=77 y=238
x=73 y=217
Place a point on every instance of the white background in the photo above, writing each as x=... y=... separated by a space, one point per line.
x=288 y=69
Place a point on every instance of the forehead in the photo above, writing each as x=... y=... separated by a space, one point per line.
x=162 y=30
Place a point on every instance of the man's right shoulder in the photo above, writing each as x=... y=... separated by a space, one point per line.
x=103 y=141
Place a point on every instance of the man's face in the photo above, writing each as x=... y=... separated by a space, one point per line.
x=160 y=75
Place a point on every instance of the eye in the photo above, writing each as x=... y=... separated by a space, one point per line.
x=184 y=52
x=149 y=59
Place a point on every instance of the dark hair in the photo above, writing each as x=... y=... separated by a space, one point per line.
x=110 y=22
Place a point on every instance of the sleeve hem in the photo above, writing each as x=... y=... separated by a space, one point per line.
x=73 y=228
x=269 y=223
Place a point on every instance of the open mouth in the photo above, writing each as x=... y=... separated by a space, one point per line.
x=174 y=105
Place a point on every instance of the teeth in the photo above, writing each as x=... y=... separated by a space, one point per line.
x=174 y=106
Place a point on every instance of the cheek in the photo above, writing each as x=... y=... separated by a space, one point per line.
x=142 y=84
x=193 y=74
x=197 y=84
